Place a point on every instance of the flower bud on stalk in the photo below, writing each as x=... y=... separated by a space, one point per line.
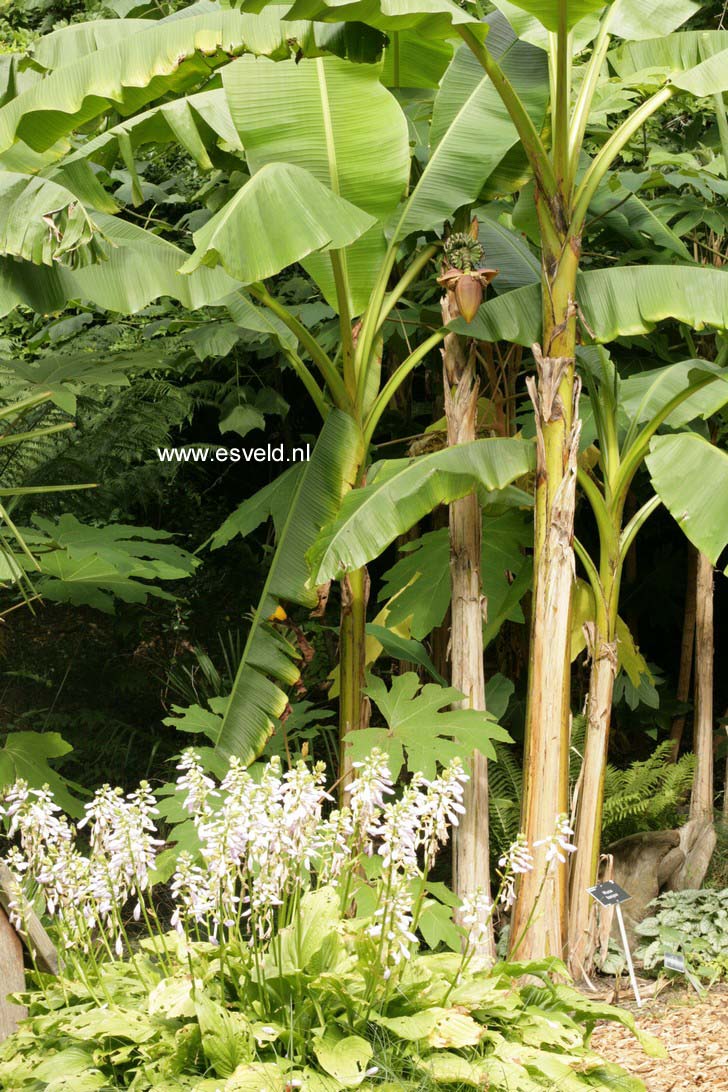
x=463 y=274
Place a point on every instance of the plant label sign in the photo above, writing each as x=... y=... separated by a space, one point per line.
x=675 y=961
x=609 y=893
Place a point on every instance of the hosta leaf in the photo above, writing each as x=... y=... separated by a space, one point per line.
x=691 y=477
x=346 y=1059
x=279 y=217
x=614 y=303
x=402 y=491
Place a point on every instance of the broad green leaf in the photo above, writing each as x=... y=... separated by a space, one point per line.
x=413 y=61
x=431 y=18
x=226 y=1035
x=467 y=105
x=635 y=20
x=43 y=223
x=279 y=217
x=530 y=29
x=259 y=319
x=70 y=43
x=129 y=72
x=508 y=252
x=344 y=1058
x=194 y=122
x=89 y=565
x=401 y=491
x=643 y=395
x=548 y=11
x=28 y=755
x=338 y=122
x=614 y=302
x=257 y=700
x=273 y=501
x=140 y=267
x=301 y=942
x=690 y=476
x=708 y=78
x=403 y=648
x=673 y=53
x=416 y=725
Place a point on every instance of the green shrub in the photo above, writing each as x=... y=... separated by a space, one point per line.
x=692 y=923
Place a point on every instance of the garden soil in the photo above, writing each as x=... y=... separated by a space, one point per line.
x=695 y=1034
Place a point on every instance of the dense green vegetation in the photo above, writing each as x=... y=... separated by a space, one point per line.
x=363 y=383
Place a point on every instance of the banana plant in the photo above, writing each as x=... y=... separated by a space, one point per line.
x=563 y=193
x=627 y=415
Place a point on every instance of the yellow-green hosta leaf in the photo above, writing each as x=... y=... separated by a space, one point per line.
x=690 y=476
x=345 y=1059
x=279 y=217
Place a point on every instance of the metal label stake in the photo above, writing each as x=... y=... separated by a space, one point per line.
x=611 y=894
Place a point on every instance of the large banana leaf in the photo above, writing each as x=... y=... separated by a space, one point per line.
x=193 y=122
x=337 y=121
x=507 y=252
x=133 y=71
x=256 y=698
x=140 y=267
x=43 y=223
x=614 y=303
x=401 y=491
x=431 y=18
x=279 y=217
x=548 y=11
x=635 y=20
x=413 y=61
x=70 y=43
x=466 y=107
x=691 y=478
x=642 y=396
x=674 y=53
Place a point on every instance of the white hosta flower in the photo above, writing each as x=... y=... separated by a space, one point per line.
x=518 y=857
x=195 y=782
x=392 y=925
x=558 y=845
x=367 y=791
x=441 y=808
x=475 y=915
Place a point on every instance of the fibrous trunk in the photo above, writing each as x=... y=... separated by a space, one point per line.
x=471 y=862
x=697 y=837
x=353 y=704
x=686 y=650
x=539 y=917
x=582 y=936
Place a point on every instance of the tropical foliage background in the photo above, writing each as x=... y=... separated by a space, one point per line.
x=363 y=379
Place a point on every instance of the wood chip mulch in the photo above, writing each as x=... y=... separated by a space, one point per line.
x=694 y=1031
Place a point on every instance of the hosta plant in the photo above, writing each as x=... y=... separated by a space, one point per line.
x=691 y=923
x=291 y=957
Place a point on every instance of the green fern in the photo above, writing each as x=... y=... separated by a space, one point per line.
x=645 y=796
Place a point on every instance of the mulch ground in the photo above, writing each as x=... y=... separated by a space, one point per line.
x=693 y=1029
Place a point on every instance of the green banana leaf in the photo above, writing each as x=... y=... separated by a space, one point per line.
x=614 y=303
x=42 y=222
x=129 y=72
x=140 y=267
x=431 y=18
x=257 y=697
x=401 y=491
x=642 y=396
x=690 y=476
x=467 y=106
x=674 y=53
x=549 y=12
x=337 y=121
x=279 y=217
